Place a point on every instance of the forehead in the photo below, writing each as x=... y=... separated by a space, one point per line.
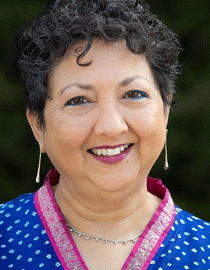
x=108 y=61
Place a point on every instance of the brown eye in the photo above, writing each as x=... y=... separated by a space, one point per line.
x=135 y=94
x=77 y=101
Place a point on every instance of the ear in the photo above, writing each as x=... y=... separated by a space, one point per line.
x=37 y=130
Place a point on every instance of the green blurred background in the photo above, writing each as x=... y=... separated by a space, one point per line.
x=188 y=137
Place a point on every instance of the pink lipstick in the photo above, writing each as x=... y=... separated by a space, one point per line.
x=111 y=159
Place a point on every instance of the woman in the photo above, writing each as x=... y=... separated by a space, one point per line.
x=100 y=79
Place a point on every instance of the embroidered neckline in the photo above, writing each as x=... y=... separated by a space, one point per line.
x=64 y=245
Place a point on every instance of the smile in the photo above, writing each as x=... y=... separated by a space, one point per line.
x=109 y=152
x=111 y=155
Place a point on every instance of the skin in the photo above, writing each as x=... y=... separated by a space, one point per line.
x=104 y=200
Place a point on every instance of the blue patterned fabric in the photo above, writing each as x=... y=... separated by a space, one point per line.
x=24 y=244
x=186 y=246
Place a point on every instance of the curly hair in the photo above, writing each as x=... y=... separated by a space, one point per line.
x=63 y=23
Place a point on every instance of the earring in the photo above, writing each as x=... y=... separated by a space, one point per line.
x=166 y=166
x=38 y=172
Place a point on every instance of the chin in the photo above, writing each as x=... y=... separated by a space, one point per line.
x=116 y=182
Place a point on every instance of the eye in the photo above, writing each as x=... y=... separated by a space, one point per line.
x=135 y=94
x=76 y=101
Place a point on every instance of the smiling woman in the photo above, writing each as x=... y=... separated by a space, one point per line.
x=108 y=115
x=100 y=80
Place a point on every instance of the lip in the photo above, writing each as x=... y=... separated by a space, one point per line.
x=112 y=159
x=110 y=146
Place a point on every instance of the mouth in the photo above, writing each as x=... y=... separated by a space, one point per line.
x=110 y=151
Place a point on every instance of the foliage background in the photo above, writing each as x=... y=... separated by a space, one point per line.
x=188 y=137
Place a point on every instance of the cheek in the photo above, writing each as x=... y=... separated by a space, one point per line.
x=147 y=121
x=67 y=131
x=149 y=125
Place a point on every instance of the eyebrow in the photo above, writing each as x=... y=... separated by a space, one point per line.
x=90 y=87
x=79 y=85
x=131 y=79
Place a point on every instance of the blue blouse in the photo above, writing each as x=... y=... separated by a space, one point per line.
x=25 y=243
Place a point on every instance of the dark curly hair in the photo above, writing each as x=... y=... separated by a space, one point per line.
x=64 y=23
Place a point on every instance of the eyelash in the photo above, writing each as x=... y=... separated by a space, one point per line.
x=71 y=102
x=139 y=95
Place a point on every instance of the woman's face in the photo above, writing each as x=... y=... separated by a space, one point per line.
x=112 y=102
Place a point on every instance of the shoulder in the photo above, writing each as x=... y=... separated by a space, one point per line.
x=187 y=244
x=22 y=235
x=190 y=221
x=17 y=202
x=19 y=207
x=192 y=229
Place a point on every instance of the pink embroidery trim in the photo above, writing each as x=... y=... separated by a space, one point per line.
x=153 y=235
x=57 y=230
x=65 y=248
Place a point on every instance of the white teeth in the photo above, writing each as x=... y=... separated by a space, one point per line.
x=117 y=151
x=104 y=152
x=98 y=152
x=109 y=152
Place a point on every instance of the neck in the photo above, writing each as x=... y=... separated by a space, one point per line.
x=107 y=215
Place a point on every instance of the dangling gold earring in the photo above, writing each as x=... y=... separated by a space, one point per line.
x=38 y=172
x=166 y=166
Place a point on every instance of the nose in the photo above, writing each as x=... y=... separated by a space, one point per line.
x=110 y=121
